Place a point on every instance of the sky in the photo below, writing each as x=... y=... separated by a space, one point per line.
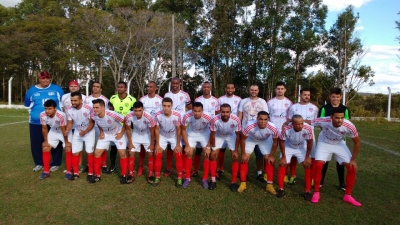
x=377 y=32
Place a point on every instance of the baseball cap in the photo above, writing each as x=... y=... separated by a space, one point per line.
x=44 y=74
x=73 y=82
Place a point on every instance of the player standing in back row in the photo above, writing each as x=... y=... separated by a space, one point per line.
x=233 y=101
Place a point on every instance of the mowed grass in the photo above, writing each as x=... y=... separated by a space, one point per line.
x=26 y=200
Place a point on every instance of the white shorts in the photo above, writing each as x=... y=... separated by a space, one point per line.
x=77 y=142
x=314 y=145
x=138 y=140
x=265 y=146
x=54 y=137
x=163 y=142
x=198 y=140
x=223 y=142
x=324 y=152
x=108 y=139
x=299 y=153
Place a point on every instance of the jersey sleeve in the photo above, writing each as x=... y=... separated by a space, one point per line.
x=42 y=119
x=266 y=106
x=188 y=101
x=68 y=114
x=27 y=100
x=321 y=112
x=240 y=107
x=212 y=124
x=282 y=135
x=127 y=119
x=63 y=121
x=319 y=122
x=347 y=114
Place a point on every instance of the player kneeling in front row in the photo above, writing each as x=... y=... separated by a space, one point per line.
x=167 y=131
x=57 y=122
x=296 y=140
x=259 y=133
x=142 y=135
x=80 y=118
x=111 y=130
x=196 y=129
x=225 y=130
x=331 y=141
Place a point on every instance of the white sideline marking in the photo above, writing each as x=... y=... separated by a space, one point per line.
x=384 y=149
x=6 y=124
x=10 y=116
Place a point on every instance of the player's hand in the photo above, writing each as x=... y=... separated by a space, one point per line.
x=101 y=135
x=66 y=131
x=130 y=146
x=353 y=164
x=151 y=147
x=82 y=133
x=187 y=149
x=271 y=159
x=282 y=161
x=245 y=158
x=158 y=149
x=235 y=155
x=178 y=149
x=307 y=162
x=118 y=136
x=207 y=151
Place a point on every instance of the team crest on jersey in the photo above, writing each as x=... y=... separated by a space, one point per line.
x=304 y=135
x=253 y=104
x=175 y=122
x=181 y=98
x=157 y=103
x=204 y=123
x=109 y=121
x=212 y=104
x=51 y=93
x=235 y=102
x=120 y=143
x=57 y=122
x=36 y=94
x=232 y=125
x=286 y=105
x=144 y=122
x=85 y=114
x=311 y=109
x=343 y=132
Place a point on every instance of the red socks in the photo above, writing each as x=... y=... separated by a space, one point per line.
x=206 y=168
x=46 y=162
x=350 y=179
x=213 y=169
x=221 y=158
x=307 y=179
x=317 y=168
x=269 y=170
x=97 y=164
x=158 y=164
x=235 y=170
x=90 y=159
x=104 y=159
x=293 y=165
x=142 y=155
x=123 y=163
x=75 y=163
x=281 y=176
x=68 y=161
x=183 y=155
x=244 y=168
x=131 y=165
x=188 y=167
x=178 y=164
x=170 y=153
x=150 y=164
x=197 y=159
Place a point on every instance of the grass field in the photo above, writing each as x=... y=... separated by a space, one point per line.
x=26 y=200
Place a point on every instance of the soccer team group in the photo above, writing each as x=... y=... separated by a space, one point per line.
x=203 y=128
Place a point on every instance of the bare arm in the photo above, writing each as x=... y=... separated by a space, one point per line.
x=45 y=132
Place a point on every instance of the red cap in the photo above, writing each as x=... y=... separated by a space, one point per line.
x=43 y=75
x=73 y=82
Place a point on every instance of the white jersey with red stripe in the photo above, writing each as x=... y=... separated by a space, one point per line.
x=210 y=105
x=254 y=132
x=250 y=108
x=90 y=98
x=179 y=101
x=296 y=139
x=225 y=129
x=278 y=111
x=140 y=126
x=233 y=101
x=168 y=124
x=308 y=111
x=194 y=125
x=110 y=123
x=66 y=101
x=334 y=135
x=55 y=122
x=80 y=117
x=152 y=105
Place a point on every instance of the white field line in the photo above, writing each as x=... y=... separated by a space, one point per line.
x=6 y=124
x=381 y=148
x=11 y=116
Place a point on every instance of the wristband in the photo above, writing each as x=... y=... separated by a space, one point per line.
x=214 y=148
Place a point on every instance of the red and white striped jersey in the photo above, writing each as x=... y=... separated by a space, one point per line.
x=308 y=111
x=90 y=98
x=179 y=101
x=334 y=135
x=80 y=117
x=225 y=129
x=296 y=139
x=250 y=109
x=140 y=126
x=152 y=105
x=110 y=123
x=168 y=125
x=194 y=125
x=210 y=105
x=56 y=122
x=66 y=101
x=254 y=132
x=279 y=111
x=232 y=101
